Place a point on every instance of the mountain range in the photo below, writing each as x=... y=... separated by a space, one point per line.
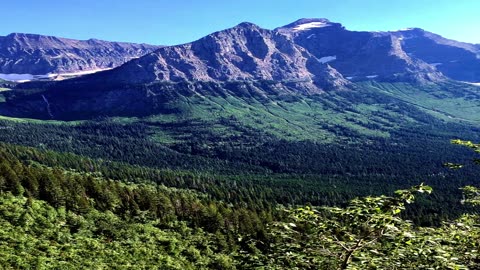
x=308 y=56
x=196 y=156
x=316 y=51
x=25 y=57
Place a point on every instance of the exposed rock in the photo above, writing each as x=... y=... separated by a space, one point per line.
x=456 y=60
x=316 y=52
x=40 y=55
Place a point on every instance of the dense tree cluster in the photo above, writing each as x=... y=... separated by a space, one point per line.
x=57 y=217
x=198 y=187
x=257 y=169
x=81 y=192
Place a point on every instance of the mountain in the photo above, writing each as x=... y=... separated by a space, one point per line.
x=457 y=60
x=331 y=110
x=319 y=53
x=315 y=51
x=358 y=55
x=305 y=58
x=29 y=56
x=245 y=52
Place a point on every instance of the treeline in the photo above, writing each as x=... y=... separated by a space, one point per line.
x=129 y=143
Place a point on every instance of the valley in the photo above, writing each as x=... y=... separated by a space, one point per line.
x=193 y=156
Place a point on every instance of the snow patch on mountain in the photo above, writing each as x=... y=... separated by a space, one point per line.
x=327 y=59
x=20 y=78
x=306 y=26
x=79 y=73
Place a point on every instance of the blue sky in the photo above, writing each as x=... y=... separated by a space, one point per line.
x=179 y=21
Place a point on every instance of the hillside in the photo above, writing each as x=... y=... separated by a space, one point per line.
x=79 y=217
x=26 y=57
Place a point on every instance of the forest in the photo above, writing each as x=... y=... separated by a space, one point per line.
x=258 y=168
x=348 y=180
x=86 y=216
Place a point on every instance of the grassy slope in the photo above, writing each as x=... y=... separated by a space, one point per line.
x=373 y=110
x=450 y=101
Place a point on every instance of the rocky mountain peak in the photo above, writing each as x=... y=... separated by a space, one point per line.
x=245 y=52
x=411 y=30
x=247 y=25
x=33 y=54
x=311 y=50
x=17 y=36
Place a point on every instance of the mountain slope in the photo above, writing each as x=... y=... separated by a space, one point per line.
x=315 y=51
x=358 y=55
x=457 y=60
x=305 y=58
x=243 y=53
x=39 y=55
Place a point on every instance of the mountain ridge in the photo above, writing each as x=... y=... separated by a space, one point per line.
x=33 y=54
x=243 y=52
x=301 y=50
x=308 y=57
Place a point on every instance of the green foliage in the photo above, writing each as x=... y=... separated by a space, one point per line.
x=68 y=219
x=35 y=235
x=259 y=168
x=198 y=185
x=471 y=195
x=361 y=234
x=368 y=234
x=74 y=220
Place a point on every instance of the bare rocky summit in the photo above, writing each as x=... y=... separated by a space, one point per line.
x=39 y=55
x=314 y=52
x=319 y=53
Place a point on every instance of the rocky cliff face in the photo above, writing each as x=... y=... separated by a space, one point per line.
x=39 y=55
x=456 y=60
x=358 y=55
x=317 y=52
x=242 y=53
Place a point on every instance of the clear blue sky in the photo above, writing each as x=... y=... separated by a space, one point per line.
x=170 y=22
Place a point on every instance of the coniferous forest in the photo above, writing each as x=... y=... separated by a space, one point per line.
x=195 y=192
x=69 y=203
